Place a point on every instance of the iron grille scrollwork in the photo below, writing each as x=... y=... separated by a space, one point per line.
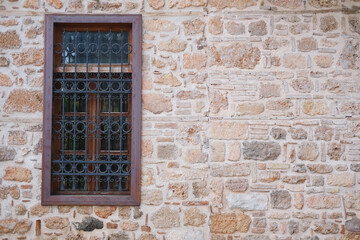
x=91 y=121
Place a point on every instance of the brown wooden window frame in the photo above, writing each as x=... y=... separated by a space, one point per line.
x=133 y=198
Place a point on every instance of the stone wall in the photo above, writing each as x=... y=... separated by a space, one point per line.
x=251 y=122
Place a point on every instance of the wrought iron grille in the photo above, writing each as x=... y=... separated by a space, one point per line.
x=91 y=120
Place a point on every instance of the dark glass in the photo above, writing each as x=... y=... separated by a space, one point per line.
x=96 y=47
x=116 y=100
x=116 y=134
x=80 y=103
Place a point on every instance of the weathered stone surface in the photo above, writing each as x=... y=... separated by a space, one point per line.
x=17 y=137
x=89 y=224
x=326 y=227
x=167 y=152
x=239 y=4
x=299 y=28
x=173 y=45
x=350 y=108
x=15 y=226
x=315 y=107
x=31 y=56
x=352 y=200
x=168 y=79
x=156 y=103
x=64 y=209
x=120 y=236
x=234 y=152
x=55 y=3
x=258 y=28
x=234 y=28
x=294 y=61
x=156 y=4
x=7 y=153
x=165 y=218
x=5 y=80
x=104 y=211
x=194 y=27
x=280 y=105
x=320 y=168
x=216 y=25
x=286 y=3
x=26 y=101
x=353 y=225
x=226 y=130
x=328 y=23
x=250 y=108
x=20 y=209
x=341 y=179
x=262 y=151
x=146 y=148
x=280 y=199
x=307 y=44
x=323 y=201
x=186 y=3
x=9 y=40
x=193 y=217
x=308 y=151
x=323 y=3
x=229 y=170
x=354 y=24
x=13 y=191
x=256 y=237
x=349 y=58
x=238 y=55
x=298 y=200
x=324 y=133
x=294 y=179
x=178 y=191
x=39 y=210
x=218 y=101
x=18 y=174
x=4 y=62
x=34 y=4
x=192 y=94
x=278 y=133
x=84 y=209
x=194 y=60
x=129 y=226
x=195 y=156
x=56 y=222
x=151 y=197
x=293 y=227
x=269 y=90
x=229 y=223
x=159 y=25
x=355 y=167
x=303 y=85
x=237 y=184
x=247 y=201
x=298 y=133
x=147 y=236
x=324 y=61
x=269 y=176
x=200 y=189
x=217 y=152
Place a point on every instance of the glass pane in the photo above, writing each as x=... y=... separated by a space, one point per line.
x=116 y=100
x=116 y=135
x=95 y=47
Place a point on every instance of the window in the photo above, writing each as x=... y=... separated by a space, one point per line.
x=92 y=110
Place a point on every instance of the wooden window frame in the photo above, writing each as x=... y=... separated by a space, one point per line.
x=134 y=197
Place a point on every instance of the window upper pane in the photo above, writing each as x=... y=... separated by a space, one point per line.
x=95 y=47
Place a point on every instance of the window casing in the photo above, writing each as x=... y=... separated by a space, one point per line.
x=92 y=110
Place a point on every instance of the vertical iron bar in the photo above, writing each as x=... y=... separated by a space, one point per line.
x=98 y=112
x=86 y=46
